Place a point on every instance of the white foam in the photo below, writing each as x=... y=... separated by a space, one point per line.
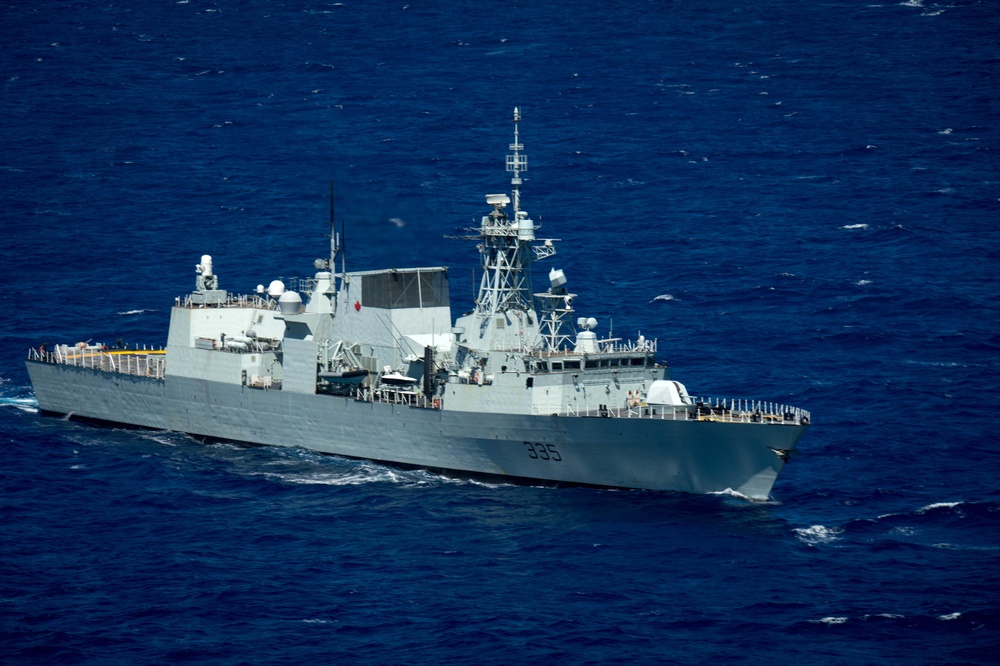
x=729 y=492
x=855 y=226
x=135 y=312
x=938 y=505
x=160 y=438
x=832 y=620
x=29 y=405
x=363 y=475
x=818 y=534
x=862 y=283
x=950 y=616
x=663 y=298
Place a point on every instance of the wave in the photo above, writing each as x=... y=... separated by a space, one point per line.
x=164 y=437
x=29 y=405
x=364 y=472
x=817 y=534
x=869 y=617
x=136 y=312
x=832 y=620
x=729 y=492
x=939 y=505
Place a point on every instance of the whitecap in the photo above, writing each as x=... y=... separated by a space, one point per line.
x=939 y=505
x=855 y=226
x=818 y=534
x=663 y=298
x=862 y=283
x=950 y=616
x=832 y=620
x=135 y=312
x=946 y=130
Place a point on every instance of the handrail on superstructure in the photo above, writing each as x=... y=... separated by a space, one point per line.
x=254 y=301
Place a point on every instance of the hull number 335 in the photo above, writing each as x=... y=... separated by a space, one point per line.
x=542 y=451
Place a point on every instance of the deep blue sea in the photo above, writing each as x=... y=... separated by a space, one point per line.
x=800 y=200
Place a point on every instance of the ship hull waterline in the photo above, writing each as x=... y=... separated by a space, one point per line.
x=684 y=455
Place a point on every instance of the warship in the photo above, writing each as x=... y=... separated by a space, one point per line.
x=368 y=365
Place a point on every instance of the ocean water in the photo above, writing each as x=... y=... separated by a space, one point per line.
x=799 y=200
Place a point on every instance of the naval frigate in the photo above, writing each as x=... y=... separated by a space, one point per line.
x=367 y=364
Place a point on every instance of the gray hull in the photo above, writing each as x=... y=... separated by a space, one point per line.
x=687 y=456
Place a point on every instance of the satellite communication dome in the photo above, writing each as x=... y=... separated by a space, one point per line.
x=289 y=303
x=276 y=288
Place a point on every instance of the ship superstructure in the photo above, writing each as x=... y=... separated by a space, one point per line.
x=367 y=364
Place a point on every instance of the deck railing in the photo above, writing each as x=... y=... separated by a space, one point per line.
x=143 y=362
x=232 y=300
x=723 y=410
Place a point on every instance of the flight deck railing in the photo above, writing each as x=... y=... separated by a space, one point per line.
x=146 y=362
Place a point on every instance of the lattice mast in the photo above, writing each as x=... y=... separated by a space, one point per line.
x=505 y=245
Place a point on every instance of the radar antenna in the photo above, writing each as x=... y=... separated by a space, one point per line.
x=516 y=163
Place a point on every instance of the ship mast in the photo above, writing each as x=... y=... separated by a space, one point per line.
x=516 y=163
x=505 y=246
